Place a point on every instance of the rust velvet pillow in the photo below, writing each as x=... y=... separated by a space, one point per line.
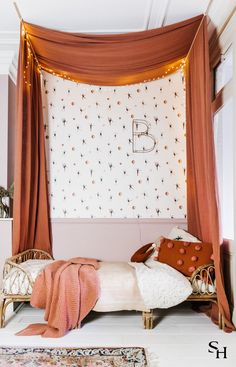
x=143 y=253
x=185 y=257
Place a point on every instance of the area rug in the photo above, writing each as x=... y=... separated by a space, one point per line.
x=72 y=357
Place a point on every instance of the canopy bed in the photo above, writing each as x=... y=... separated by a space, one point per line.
x=120 y=285
x=117 y=60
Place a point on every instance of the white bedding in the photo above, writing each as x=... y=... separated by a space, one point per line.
x=119 y=288
x=124 y=286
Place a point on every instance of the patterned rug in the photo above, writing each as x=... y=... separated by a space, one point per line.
x=70 y=357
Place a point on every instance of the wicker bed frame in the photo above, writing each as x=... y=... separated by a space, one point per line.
x=206 y=272
x=15 y=262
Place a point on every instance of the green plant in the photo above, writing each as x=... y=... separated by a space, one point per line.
x=4 y=207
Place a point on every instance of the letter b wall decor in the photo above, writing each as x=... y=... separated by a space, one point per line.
x=141 y=137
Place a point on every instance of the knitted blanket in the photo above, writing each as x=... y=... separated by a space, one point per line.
x=68 y=291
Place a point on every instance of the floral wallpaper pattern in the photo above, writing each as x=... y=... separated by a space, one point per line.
x=116 y=152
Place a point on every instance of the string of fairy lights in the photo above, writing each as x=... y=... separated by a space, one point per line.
x=170 y=70
x=31 y=53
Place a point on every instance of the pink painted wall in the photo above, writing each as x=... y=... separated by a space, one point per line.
x=107 y=239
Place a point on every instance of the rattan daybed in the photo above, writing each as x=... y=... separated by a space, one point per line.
x=202 y=291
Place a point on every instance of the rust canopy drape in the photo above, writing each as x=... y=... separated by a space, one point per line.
x=115 y=60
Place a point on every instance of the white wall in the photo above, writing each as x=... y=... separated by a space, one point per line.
x=5 y=243
x=219 y=45
x=7 y=124
x=4 y=129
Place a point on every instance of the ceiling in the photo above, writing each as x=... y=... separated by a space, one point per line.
x=100 y=16
x=103 y=16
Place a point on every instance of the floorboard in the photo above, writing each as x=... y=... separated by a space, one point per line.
x=180 y=337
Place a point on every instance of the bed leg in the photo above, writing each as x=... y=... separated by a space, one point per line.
x=2 y=312
x=148 y=319
x=78 y=325
x=221 y=321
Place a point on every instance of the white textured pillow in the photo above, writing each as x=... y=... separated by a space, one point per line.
x=162 y=286
x=180 y=234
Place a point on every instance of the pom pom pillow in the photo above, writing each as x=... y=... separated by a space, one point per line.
x=184 y=256
x=149 y=253
x=177 y=234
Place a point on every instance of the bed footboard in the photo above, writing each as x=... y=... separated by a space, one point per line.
x=203 y=281
x=204 y=288
x=15 y=262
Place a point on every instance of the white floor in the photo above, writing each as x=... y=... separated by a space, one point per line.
x=180 y=337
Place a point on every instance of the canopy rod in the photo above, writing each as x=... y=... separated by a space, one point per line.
x=208 y=7
x=17 y=10
x=191 y=46
x=28 y=38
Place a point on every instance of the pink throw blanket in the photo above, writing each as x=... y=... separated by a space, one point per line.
x=68 y=291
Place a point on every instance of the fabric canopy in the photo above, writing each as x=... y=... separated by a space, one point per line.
x=111 y=59
x=115 y=60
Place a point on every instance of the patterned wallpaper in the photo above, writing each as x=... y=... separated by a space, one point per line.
x=116 y=152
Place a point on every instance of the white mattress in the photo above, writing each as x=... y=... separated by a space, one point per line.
x=118 y=284
x=119 y=289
